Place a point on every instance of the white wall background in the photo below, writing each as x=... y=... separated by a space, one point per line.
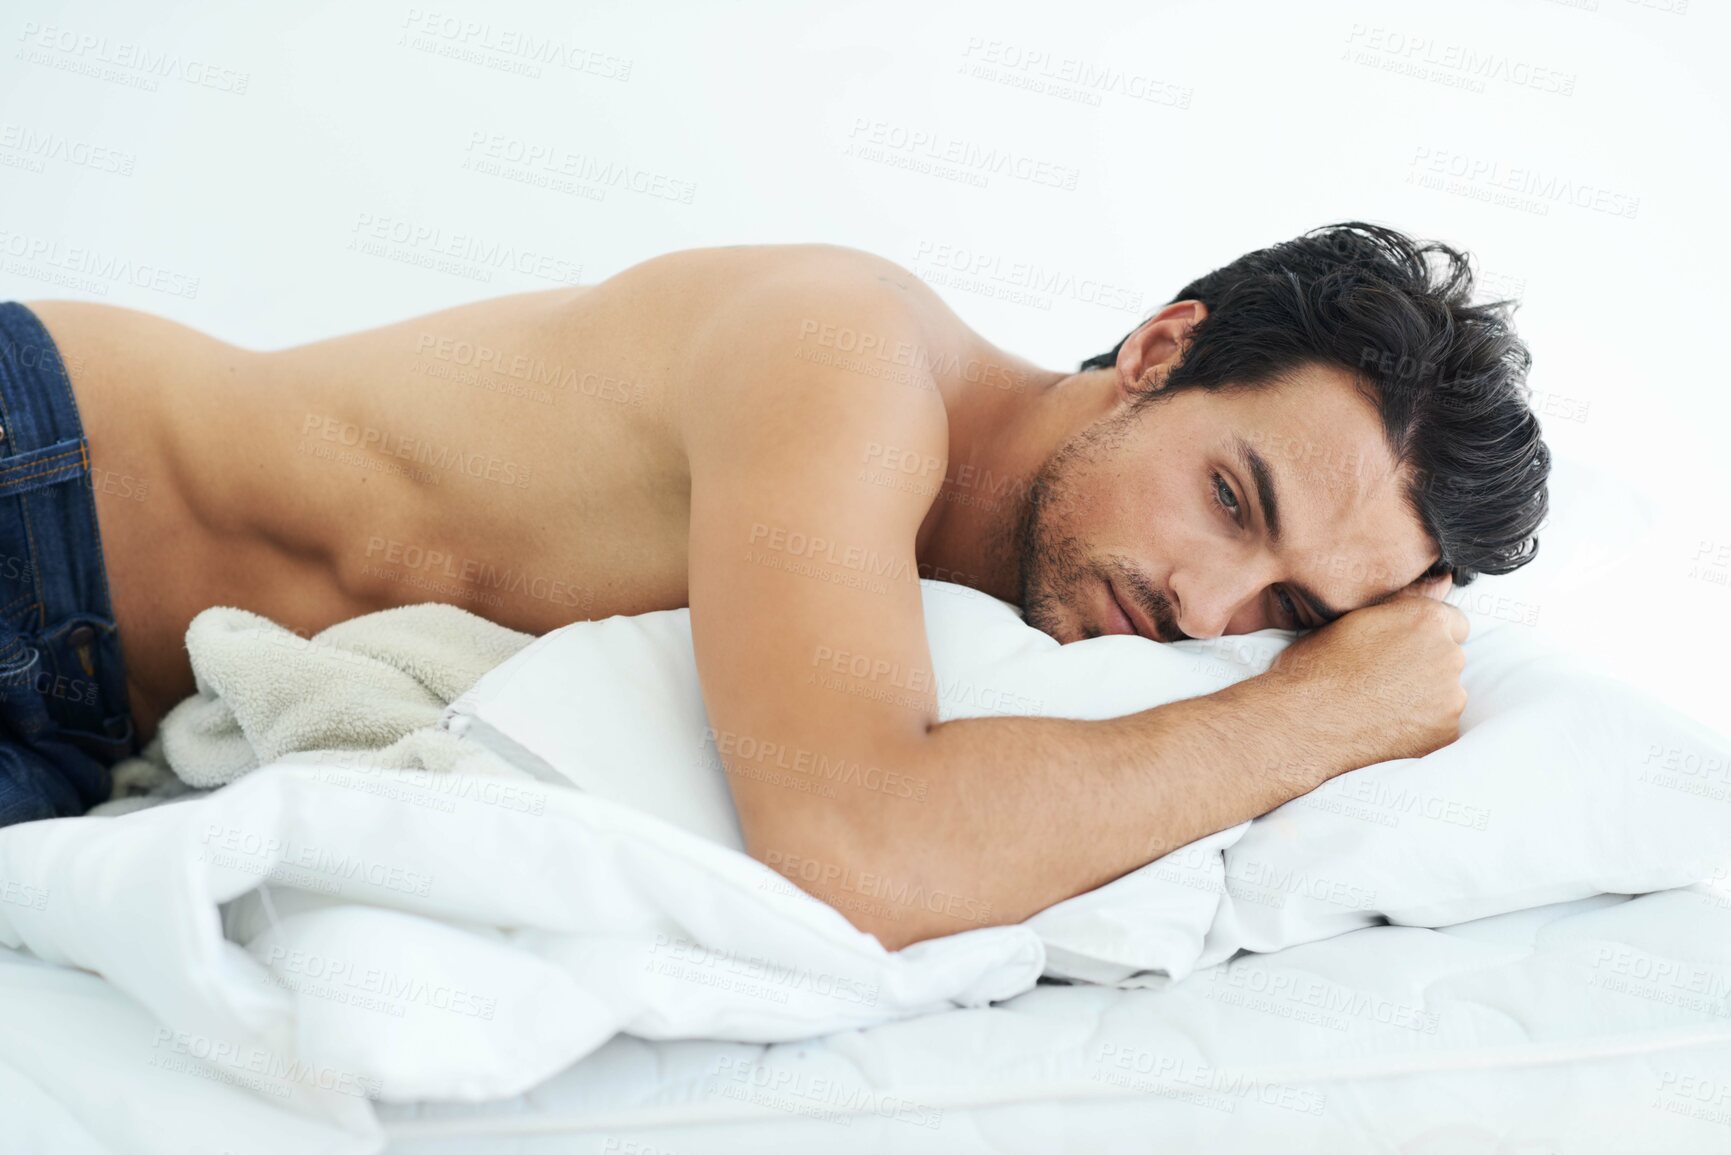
x=228 y=156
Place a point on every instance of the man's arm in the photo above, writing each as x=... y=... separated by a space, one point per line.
x=816 y=673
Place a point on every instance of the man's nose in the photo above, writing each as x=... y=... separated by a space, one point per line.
x=1205 y=609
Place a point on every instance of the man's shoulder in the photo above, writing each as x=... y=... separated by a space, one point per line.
x=840 y=286
x=818 y=335
x=809 y=297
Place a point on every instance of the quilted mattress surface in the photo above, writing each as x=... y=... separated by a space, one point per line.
x=1602 y=1025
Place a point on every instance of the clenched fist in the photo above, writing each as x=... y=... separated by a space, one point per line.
x=1383 y=681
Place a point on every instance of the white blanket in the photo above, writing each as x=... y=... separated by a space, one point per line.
x=407 y=935
x=326 y=931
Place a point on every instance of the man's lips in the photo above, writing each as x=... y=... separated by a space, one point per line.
x=1133 y=614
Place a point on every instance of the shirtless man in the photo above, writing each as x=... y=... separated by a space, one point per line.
x=784 y=438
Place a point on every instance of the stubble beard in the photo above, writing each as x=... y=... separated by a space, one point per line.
x=1052 y=564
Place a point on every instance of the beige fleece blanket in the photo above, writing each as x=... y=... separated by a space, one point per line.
x=377 y=682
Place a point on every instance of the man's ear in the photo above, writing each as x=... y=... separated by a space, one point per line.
x=1148 y=354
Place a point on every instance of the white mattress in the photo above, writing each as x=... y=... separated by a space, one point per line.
x=1597 y=1026
x=1602 y=1025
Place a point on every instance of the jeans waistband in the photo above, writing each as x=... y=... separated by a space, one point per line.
x=45 y=460
x=56 y=587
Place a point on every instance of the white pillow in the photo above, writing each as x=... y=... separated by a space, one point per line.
x=615 y=708
x=1595 y=522
x=1562 y=785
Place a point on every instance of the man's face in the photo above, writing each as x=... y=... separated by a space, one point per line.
x=1157 y=508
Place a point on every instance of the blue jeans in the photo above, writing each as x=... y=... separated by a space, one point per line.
x=64 y=715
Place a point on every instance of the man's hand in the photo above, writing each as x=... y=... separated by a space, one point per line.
x=1386 y=679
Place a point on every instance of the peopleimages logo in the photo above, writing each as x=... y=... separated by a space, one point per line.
x=872 y=139
x=480 y=574
x=813 y=765
x=480 y=41
x=253 y=1067
x=326 y=975
x=471 y=464
x=230 y=846
x=107 y=59
x=45 y=258
x=679 y=957
x=1531 y=189
x=466 y=254
x=898 y=892
x=820 y=1097
x=41 y=145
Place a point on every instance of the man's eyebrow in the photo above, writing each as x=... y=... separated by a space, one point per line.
x=1321 y=608
x=1253 y=463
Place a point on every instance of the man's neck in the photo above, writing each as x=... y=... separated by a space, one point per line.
x=999 y=440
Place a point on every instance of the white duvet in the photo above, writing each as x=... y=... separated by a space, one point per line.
x=318 y=935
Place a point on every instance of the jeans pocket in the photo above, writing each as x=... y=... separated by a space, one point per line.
x=23 y=715
x=46 y=770
x=82 y=684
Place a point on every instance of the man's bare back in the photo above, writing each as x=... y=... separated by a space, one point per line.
x=328 y=480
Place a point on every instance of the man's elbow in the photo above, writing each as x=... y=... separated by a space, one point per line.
x=893 y=935
x=897 y=892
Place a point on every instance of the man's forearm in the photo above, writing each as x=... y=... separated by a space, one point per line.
x=1023 y=812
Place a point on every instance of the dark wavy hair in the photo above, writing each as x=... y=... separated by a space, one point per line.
x=1447 y=375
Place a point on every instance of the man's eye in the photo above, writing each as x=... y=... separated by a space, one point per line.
x=1290 y=609
x=1224 y=495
